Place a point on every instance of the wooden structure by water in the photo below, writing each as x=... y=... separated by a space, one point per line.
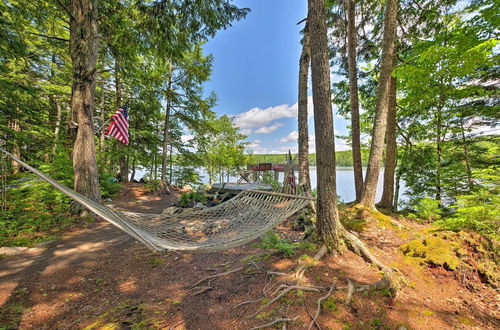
x=235 y=188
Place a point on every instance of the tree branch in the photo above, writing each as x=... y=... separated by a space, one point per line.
x=65 y=9
x=49 y=37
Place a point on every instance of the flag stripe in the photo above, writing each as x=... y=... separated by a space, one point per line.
x=118 y=127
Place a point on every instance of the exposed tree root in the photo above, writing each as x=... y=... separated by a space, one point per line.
x=318 y=309
x=286 y=290
x=299 y=273
x=392 y=278
x=274 y=322
x=201 y=289
x=218 y=275
x=350 y=291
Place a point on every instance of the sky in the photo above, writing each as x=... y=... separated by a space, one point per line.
x=255 y=75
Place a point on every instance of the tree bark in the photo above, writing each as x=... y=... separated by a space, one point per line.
x=438 y=154
x=102 y=115
x=329 y=226
x=354 y=99
x=166 y=129
x=387 y=200
x=122 y=160
x=380 y=121
x=57 y=127
x=132 y=175
x=83 y=51
x=305 y=58
x=470 y=181
x=16 y=150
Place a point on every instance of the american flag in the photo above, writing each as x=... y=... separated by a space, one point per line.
x=119 y=125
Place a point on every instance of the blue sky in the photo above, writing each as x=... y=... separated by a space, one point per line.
x=256 y=71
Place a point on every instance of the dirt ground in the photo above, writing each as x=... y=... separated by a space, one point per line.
x=100 y=278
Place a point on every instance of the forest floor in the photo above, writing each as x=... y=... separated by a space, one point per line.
x=100 y=278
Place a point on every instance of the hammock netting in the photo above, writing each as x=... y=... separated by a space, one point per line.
x=240 y=220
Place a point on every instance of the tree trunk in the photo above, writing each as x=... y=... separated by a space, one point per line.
x=132 y=176
x=170 y=174
x=438 y=155
x=380 y=121
x=16 y=150
x=155 y=166
x=305 y=58
x=83 y=51
x=102 y=115
x=329 y=226
x=57 y=127
x=166 y=129
x=122 y=148
x=353 y=91
x=387 y=200
x=470 y=181
x=396 y=192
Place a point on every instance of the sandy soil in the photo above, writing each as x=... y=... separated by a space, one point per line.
x=100 y=278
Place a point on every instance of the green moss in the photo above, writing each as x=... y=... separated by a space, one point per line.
x=383 y=220
x=122 y=315
x=433 y=250
x=265 y=314
x=466 y=321
x=329 y=304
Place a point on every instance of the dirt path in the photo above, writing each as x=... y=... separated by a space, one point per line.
x=99 y=277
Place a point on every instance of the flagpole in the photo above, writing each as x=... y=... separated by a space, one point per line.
x=100 y=127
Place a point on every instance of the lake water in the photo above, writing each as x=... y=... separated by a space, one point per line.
x=345 y=182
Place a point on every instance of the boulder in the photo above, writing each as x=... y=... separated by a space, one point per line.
x=170 y=210
x=187 y=188
x=199 y=206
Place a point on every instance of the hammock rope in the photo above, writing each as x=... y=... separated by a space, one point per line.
x=240 y=220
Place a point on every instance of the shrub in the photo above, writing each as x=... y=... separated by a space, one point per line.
x=428 y=208
x=273 y=241
x=479 y=210
x=191 y=198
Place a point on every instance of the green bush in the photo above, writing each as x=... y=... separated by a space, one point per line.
x=479 y=210
x=108 y=186
x=428 y=208
x=272 y=241
x=35 y=212
x=191 y=198
x=153 y=186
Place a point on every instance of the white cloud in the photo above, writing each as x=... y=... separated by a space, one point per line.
x=258 y=118
x=268 y=129
x=246 y=131
x=257 y=141
x=293 y=136
x=186 y=138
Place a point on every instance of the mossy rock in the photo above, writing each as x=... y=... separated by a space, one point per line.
x=434 y=250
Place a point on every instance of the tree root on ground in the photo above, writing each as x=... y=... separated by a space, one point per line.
x=318 y=309
x=392 y=279
x=274 y=322
x=201 y=289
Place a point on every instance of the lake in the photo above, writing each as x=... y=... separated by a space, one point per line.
x=345 y=182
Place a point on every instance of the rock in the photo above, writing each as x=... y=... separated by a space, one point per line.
x=187 y=210
x=187 y=188
x=170 y=210
x=402 y=328
x=199 y=206
x=108 y=200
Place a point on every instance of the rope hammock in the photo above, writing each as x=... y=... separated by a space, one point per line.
x=247 y=216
